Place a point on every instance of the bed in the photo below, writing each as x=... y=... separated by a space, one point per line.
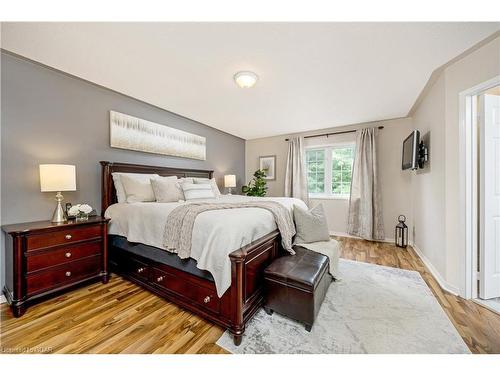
x=180 y=280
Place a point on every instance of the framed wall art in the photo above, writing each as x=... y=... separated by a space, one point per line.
x=132 y=133
x=268 y=164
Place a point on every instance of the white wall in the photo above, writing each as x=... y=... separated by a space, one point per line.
x=396 y=184
x=267 y=146
x=441 y=237
x=428 y=185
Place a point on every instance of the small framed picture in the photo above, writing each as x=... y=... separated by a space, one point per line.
x=268 y=164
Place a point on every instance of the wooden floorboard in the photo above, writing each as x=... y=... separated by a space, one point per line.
x=120 y=317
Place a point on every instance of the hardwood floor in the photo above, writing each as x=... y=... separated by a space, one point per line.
x=120 y=317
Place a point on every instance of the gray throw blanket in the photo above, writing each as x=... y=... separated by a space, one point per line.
x=180 y=223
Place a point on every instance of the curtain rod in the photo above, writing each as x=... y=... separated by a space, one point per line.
x=328 y=134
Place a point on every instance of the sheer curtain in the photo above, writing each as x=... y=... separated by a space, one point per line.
x=365 y=205
x=295 y=175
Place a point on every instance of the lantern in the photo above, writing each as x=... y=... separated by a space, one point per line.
x=401 y=233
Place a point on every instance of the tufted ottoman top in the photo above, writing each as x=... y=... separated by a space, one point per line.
x=303 y=270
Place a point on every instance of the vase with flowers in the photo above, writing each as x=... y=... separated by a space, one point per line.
x=80 y=211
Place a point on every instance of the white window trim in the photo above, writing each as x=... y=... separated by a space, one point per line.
x=328 y=170
x=322 y=196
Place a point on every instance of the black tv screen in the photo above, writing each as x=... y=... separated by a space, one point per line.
x=410 y=151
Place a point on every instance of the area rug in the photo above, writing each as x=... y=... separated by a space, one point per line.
x=372 y=309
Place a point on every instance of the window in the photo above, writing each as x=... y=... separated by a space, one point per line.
x=329 y=170
x=316 y=171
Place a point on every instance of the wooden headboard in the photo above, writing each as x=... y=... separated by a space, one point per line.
x=108 y=192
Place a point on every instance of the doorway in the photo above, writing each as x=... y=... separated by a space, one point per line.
x=488 y=121
x=482 y=165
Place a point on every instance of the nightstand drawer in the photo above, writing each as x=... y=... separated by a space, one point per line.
x=64 y=274
x=62 y=255
x=63 y=236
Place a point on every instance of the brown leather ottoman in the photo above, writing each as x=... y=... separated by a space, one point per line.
x=296 y=285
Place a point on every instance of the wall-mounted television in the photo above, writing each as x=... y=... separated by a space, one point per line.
x=411 y=151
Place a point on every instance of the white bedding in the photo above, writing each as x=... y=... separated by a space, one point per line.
x=215 y=235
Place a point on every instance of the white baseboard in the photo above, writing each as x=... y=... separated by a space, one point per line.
x=343 y=234
x=441 y=281
x=2 y=299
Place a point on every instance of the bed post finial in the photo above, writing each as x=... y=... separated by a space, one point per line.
x=106 y=185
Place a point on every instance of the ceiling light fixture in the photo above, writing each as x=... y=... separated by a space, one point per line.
x=245 y=79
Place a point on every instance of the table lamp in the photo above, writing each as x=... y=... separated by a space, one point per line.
x=57 y=177
x=229 y=182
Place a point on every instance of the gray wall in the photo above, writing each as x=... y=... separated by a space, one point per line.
x=50 y=117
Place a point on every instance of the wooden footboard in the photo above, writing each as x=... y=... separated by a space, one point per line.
x=247 y=267
x=231 y=311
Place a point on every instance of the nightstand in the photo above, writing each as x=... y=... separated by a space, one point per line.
x=44 y=258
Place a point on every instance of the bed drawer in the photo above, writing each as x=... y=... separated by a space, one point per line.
x=136 y=268
x=62 y=255
x=62 y=237
x=204 y=297
x=64 y=274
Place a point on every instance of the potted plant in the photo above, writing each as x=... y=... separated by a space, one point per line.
x=257 y=187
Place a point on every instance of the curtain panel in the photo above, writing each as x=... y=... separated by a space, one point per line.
x=295 y=174
x=365 y=204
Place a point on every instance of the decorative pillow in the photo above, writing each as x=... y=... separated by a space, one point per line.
x=211 y=181
x=167 y=189
x=197 y=191
x=311 y=225
x=137 y=189
x=189 y=180
x=120 y=192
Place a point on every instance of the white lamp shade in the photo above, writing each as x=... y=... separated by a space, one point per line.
x=230 y=180
x=57 y=177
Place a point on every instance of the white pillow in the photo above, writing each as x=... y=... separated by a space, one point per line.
x=197 y=191
x=189 y=180
x=211 y=182
x=167 y=189
x=311 y=225
x=121 y=197
x=137 y=189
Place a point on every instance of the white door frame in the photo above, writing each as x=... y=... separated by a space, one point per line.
x=469 y=181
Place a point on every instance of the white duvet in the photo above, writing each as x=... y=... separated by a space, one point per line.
x=215 y=235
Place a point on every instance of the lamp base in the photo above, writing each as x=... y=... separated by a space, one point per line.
x=229 y=191
x=59 y=215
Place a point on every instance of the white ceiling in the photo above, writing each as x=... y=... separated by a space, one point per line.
x=312 y=75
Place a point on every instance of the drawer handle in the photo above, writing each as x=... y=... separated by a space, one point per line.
x=68 y=274
x=140 y=270
x=68 y=236
x=67 y=255
x=206 y=299
x=159 y=279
